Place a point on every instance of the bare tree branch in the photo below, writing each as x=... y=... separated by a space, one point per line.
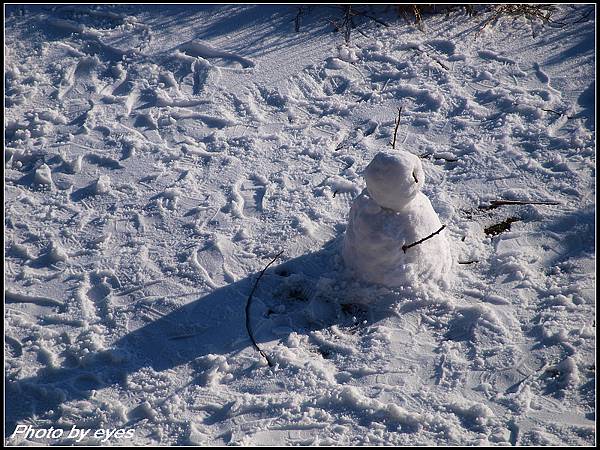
x=297 y=20
x=375 y=19
x=263 y=354
x=442 y=65
x=347 y=23
x=495 y=203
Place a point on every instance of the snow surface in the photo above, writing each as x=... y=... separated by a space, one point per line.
x=158 y=157
x=390 y=236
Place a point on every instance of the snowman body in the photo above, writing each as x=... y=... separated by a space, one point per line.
x=390 y=213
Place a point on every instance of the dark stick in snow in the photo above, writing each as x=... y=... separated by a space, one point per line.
x=375 y=19
x=427 y=155
x=406 y=247
x=347 y=23
x=442 y=65
x=501 y=227
x=297 y=19
x=496 y=203
x=557 y=113
x=263 y=354
x=396 y=129
x=363 y=33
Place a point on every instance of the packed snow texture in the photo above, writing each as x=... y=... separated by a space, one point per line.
x=158 y=157
x=395 y=180
x=389 y=215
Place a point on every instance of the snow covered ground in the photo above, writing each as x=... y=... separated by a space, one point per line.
x=158 y=157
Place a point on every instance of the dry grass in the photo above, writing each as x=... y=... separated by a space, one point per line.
x=542 y=13
x=416 y=14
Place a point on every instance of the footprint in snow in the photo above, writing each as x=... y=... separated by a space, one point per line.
x=253 y=193
x=209 y=261
x=205 y=75
x=443 y=46
x=81 y=75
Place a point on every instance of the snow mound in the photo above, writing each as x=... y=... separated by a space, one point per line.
x=391 y=214
x=102 y=185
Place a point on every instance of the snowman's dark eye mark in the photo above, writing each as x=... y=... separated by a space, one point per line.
x=415 y=177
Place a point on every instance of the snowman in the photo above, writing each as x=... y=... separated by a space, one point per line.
x=386 y=218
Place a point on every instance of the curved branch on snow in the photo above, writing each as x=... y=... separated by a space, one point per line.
x=263 y=354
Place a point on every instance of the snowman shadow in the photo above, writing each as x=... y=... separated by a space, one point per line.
x=301 y=295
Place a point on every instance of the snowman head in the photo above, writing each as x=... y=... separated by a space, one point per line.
x=394 y=179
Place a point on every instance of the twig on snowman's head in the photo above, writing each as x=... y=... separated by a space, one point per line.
x=406 y=247
x=396 y=129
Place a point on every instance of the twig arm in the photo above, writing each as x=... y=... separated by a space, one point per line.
x=406 y=247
